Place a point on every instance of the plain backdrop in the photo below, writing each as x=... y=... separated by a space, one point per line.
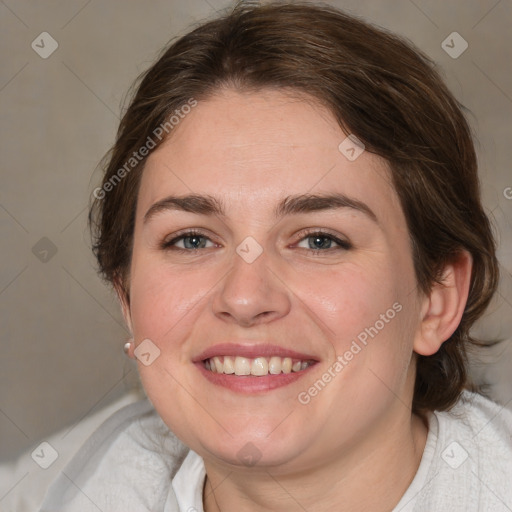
x=61 y=331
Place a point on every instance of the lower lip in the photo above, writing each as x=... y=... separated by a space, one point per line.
x=250 y=384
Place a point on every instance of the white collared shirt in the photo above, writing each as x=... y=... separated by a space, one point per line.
x=134 y=463
x=188 y=485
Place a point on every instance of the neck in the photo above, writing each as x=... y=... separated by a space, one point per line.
x=385 y=464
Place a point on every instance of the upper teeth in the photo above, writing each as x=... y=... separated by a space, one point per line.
x=258 y=366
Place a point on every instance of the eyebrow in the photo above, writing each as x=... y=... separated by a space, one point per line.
x=290 y=205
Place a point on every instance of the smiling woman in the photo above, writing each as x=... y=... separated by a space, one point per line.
x=300 y=261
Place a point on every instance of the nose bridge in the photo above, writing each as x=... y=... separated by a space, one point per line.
x=249 y=292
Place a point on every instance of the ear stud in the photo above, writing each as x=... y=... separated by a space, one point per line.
x=127 y=346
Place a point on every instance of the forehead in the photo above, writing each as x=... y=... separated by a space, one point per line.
x=252 y=149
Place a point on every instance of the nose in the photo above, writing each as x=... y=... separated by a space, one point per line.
x=251 y=293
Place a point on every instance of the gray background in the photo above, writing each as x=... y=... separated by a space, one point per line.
x=61 y=331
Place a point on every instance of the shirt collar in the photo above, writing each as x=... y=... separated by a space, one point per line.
x=188 y=483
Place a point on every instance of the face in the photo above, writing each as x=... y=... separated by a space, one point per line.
x=292 y=264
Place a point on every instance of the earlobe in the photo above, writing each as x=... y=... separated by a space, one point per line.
x=443 y=308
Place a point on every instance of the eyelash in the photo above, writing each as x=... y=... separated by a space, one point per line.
x=343 y=244
x=166 y=245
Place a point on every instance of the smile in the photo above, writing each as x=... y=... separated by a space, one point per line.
x=258 y=366
x=253 y=368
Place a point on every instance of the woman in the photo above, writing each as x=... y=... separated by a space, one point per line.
x=291 y=219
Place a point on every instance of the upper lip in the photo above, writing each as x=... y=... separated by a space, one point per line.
x=251 y=351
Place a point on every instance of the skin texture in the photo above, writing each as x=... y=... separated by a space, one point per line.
x=251 y=150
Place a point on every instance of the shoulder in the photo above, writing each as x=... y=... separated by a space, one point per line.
x=472 y=461
x=127 y=462
x=474 y=411
x=482 y=427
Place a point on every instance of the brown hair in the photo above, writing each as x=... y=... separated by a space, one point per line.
x=380 y=89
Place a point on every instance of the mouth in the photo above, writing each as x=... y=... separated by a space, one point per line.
x=253 y=369
x=257 y=367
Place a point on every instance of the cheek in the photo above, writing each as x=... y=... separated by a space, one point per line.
x=368 y=314
x=351 y=299
x=161 y=298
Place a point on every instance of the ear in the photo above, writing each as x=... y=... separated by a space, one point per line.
x=124 y=302
x=443 y=308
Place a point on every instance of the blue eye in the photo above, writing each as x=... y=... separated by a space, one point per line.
x=316 y=242
x=320 y=242
x=191 y=240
